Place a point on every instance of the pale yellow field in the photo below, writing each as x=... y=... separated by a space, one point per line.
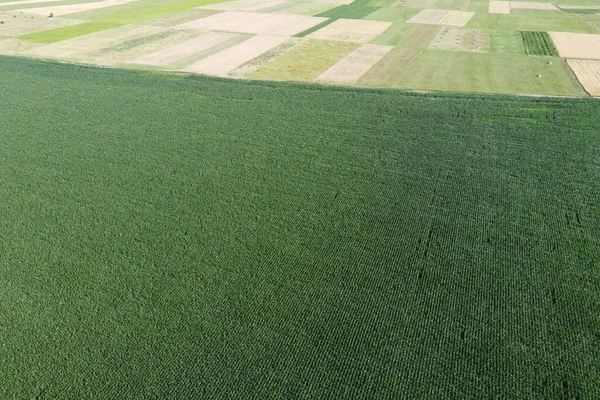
x=170 y=54
x=577 y=45
x=222 y=63
x=456 y=18
x=588 y=74
x=356 y=64
x=429 y=17
x=499 y=7
x=351 y=30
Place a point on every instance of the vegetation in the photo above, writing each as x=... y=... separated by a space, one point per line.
x=351 y=11
x=539 y=44
x=172 y=236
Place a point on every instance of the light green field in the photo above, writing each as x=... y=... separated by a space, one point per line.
x=462 y=71
x=304 y=62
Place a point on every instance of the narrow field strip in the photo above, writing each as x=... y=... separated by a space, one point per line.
x=226 y=61
x=71 y=8
x=177 y=52
x=72 y=47
x=69 y=32
x=356 y=64
x=588 y=74
x=315 y=28
x=524 y=5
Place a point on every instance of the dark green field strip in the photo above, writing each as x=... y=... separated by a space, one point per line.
x=350 y=11
x=539 y=44
x=172 y=236
x=315 y=28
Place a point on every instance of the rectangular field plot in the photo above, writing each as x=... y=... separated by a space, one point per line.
x=255 y=23
x=461 y=39
x=351 y=30
x=588 y=74
x=170 y=54
x=304 y=62
x=538 y=44
x=491 y=72
x=222 y=63
x=355 y=65
x=577 y=45
x=442 y=17
x=499 y=7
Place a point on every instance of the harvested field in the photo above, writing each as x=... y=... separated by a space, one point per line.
x=577 y=45
x=255 y=23
x=81 y=44
x=429 y=17
x=171 y=54
x=456 y=18
x=525 y=5
x=499 y=7
x=356 y=64
x=12 y=46
x=222 y=63
x=20 y=24
x=351 y=30
x=588 y=74
x=460 y=39
x=70 y=8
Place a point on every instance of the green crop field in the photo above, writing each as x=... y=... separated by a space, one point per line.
x=538 y=44
x=172 y=236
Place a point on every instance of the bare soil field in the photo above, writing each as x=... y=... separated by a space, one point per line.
x=577 y=45
x=499 y=7
x=456 y=18
x=222 y=63
x=351 y=30
x=176 y=52
x=355 y=65
x=588 y=74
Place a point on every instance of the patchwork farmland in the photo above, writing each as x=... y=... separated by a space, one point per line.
x=493 y=46
x=299 y=199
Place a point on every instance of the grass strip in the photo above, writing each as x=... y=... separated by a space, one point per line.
x=315 y=28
